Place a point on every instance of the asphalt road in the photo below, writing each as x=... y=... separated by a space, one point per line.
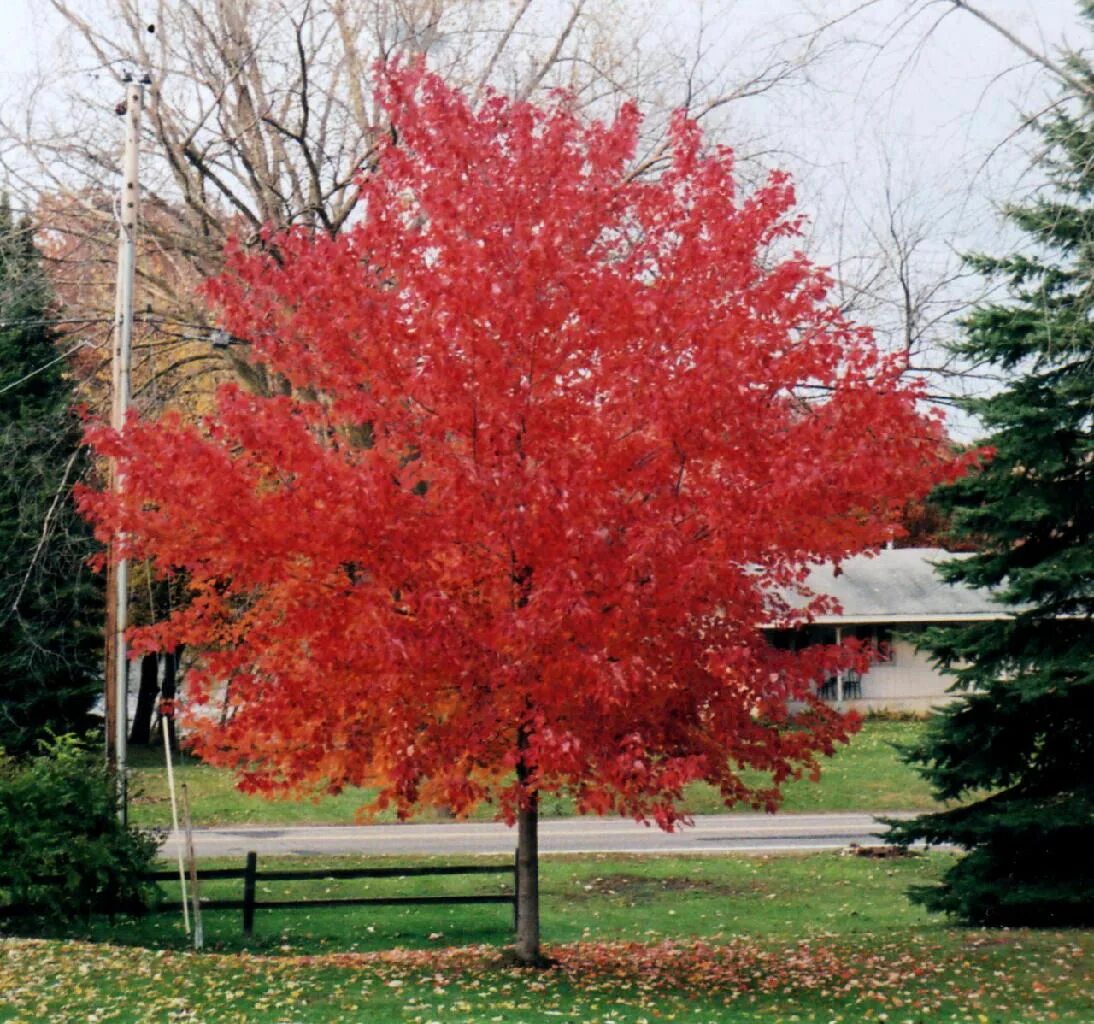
x=711 y=834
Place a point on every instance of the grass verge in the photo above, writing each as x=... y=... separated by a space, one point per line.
x=867 y=775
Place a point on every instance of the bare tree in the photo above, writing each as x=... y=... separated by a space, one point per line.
x=261 y=113
x=895 y=270
x=910 y=14
x=897 y=233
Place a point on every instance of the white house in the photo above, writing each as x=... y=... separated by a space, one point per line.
x=889 y=598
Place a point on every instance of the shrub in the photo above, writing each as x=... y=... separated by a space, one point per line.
x=66 y=854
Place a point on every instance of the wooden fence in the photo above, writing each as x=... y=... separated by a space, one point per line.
x=251 y=877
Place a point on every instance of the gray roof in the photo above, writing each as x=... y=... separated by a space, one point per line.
x=900 y=586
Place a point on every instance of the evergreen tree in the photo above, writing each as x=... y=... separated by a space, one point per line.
x=1019 y=741
x=50 y=606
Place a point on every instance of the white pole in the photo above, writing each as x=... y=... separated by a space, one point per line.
x=175 y=823
x=192 y=864
x=128 y=219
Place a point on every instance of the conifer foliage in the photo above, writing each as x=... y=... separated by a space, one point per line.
x=50 y=603
x=1020 y=740
x=553 y=441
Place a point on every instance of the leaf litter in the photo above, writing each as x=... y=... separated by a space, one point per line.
x=975 y=978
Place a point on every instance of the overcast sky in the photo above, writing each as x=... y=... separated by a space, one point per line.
x=921 y=101
x=944 y=97
x=926 y=106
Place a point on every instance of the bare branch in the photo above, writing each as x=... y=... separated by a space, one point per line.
x=1055 y=67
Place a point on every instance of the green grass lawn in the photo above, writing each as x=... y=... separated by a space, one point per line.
x=866 y=775
x=816 y=938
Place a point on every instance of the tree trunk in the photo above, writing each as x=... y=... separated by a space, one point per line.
x=141 y=729
x=170 y=675
x=526 y=950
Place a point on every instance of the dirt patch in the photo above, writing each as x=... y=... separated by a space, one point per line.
x=146 y=801
x=988 y=941
x=881 y=852
x=634 y=886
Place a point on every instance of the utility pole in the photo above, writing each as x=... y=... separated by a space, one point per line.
x=117 y=662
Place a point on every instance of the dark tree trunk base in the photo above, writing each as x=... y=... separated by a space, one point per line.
x=540 y=962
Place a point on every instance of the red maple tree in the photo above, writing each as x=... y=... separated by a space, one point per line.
x=554 y=442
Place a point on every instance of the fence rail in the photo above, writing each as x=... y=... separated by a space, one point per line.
x=250 y=876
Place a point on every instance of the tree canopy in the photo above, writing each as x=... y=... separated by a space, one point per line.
x=555 y=443
x=50 y=606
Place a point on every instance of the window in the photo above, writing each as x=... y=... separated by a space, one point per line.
x=881 y=639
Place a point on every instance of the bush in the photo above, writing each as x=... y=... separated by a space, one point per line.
x=66 y=854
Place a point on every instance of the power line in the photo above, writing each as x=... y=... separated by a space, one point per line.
x=215 y=336
x=7 y=325
x=64 y=355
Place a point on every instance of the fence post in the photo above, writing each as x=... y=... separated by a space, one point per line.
x=249 y=878
x=516 y=890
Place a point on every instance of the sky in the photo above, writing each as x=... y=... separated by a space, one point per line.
x=933 y=104
x=944 y=96
x=922 y=108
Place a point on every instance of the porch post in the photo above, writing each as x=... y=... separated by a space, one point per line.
x=839 y=674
